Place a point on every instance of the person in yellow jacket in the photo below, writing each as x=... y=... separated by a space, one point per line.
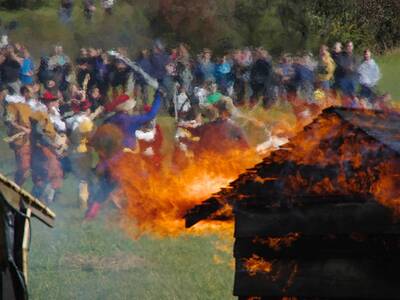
x=17 y=120
x=326 y=68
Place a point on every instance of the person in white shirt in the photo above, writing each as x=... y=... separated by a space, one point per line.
x=369 y=76
x=107 y=6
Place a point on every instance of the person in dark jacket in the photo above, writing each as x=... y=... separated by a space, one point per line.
x=346 y=73
x=159 y=59
x=261 y=79
x=10 y=69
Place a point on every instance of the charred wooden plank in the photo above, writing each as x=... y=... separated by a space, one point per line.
x=202 y=212
x=368 y=218
x=322 y=278
x=309 y=247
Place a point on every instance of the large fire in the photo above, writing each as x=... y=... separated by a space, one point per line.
x=157 y=200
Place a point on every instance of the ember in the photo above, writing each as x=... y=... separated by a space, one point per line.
x=256 y=264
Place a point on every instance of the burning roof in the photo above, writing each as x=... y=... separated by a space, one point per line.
x=344 y=156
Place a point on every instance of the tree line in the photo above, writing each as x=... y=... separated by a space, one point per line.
x=278 y=25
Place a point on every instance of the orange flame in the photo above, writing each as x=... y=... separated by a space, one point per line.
x=158 y=200
x=277 y=243
x=257 y=264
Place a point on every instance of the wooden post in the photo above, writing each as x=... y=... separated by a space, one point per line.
x=25 y=244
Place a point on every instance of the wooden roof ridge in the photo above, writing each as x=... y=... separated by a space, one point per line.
x=9 y=188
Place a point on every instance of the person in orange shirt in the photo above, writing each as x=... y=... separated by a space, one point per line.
x=47 y=173
x=17 y=120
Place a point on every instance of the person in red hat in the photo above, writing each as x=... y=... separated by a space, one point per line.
x=123 y=106
x=117 y=140
x=51 y=92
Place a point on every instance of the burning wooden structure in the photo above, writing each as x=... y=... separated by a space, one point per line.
x=318 y=218
x=16 y=208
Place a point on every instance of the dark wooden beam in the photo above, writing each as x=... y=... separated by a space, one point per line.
x=329 y=278
x=367 y=218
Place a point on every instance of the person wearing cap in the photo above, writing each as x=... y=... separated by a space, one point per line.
x=127 y=123
x=113 y=141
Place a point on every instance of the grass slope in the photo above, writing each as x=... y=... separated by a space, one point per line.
x=390 y=68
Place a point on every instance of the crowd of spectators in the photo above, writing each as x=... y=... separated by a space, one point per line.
x=59 y=102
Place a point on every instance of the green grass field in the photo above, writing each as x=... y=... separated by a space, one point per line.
x=390 y=68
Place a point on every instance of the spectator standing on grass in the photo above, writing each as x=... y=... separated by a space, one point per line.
x=207 y=66
x=326 y=68
x=65 y=13
x=285 y=73
x=223 y=75
x=141 y=88
x=336 y=51
x=347 y=74
x=369 y=75
x=88 y=9
x=159 y=59
x=261 y=77
x=107 y=6
x=335 y=54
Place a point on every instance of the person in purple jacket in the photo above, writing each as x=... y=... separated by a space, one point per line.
x=125 y=125
x=128 y=123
